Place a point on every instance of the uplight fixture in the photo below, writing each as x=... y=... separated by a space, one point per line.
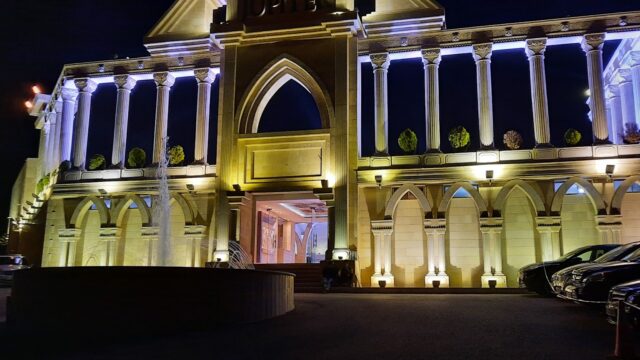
x=610 y=169
x=379 y=181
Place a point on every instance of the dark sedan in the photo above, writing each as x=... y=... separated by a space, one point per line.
x=563 y=277
x=537 y=277
x=628 y=292
x=591 y=284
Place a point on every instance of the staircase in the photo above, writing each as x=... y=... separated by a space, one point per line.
x=308 y=276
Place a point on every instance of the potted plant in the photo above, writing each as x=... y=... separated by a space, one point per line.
x=137 y=158
x=459 y=138
x=631 y=133
x=408 y=141
x=176 y=155
x=572 y=137
x=512 y=140
x=97 y=162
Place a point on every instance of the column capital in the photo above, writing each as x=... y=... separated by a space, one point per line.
x=382 y=227
x=85 y=85
x=612 y=91
x=621 y=76
x=482 y=51
x=164 y=79
x=635 y=58
x=204 y=75
x=592 y=42
x=69 y=94
x=536 y=47
x=380 y=60
x=124 y=82
x=431 y=56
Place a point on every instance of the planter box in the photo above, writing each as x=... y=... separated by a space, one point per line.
x=516 y=155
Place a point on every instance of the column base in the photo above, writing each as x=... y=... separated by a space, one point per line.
x=376 y=278
x=221 y=256
x=501 y=281
x=443 y=278
x=544 y=146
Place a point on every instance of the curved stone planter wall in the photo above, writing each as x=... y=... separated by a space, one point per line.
x=120 y=300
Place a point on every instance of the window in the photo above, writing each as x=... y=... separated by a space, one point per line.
x=634 y=188
x=461 y=193
x=575 y=189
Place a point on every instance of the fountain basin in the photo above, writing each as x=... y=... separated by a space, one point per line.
x=143 y=299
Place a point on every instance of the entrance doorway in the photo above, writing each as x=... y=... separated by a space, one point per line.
x=291 y=231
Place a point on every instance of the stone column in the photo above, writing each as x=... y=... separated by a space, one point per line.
x=125 y=84
x=431 y=253
x=482 y=56
x=635 y=75
x=86 y=87
x=52 y=118
x=592 y=46
x=55 y=162
x=380 y=64
x=109 y=237
x=377 y=256
x=437 y=264
x=491 y=229
x=205 y=77
x=388 y=249
x=69 y=240
x=627 y=100
x=43 y=145
x=614 y=105
x=549 y=230
x=69 y=97
x=431 y=60
x=486 y=252
x=164 y=82
x=382 y=231
x=535 y=53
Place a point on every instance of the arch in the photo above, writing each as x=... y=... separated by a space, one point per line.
x=618 y=196
x=186 y=209
x=528 y=189
x=446 y=199
x=123 y=206
x=590 y=190
x=269 y=81
x=390 y=208
x=84 y=206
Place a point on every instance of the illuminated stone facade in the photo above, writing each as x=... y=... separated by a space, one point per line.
x=460 y=218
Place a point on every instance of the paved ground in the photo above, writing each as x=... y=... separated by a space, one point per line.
x=380 y=326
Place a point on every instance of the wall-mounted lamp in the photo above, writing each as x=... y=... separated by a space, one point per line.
x=190 y=187
x=324 y=183
x=219 y=259
x=610 y=169
x=489 y=175
x=379 y=181
x=102 y=192
x=237 y=188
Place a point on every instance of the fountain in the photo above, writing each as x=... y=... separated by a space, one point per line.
x=162 y=210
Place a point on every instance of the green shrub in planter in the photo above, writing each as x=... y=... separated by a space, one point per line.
x=137 y=158
x=408 y=141
x=459 y=138
x=572 y=137
x=43 y=183
x=97 y=162
x=176 y=155
x=631 y=133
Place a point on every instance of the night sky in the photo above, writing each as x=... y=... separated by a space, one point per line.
x=39 y=36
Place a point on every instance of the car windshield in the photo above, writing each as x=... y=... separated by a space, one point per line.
x=617 y=253
x=6 y=260
x=571 y=254
x=634 y=256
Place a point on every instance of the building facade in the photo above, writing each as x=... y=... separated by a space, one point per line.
x=461 y=218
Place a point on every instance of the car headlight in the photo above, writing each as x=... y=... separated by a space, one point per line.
x=595 y=277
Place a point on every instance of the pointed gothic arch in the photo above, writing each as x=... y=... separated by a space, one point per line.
x=267 y=83
x=593 y=194
x=123 y=206
x=83 y=207
x=618 y=196
x=475 y=195
x=187 y=211
x=528 y=189
x=391 y=205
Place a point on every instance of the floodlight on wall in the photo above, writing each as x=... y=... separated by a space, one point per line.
x=102 y=192
x=379 y=181
x=324 y=183
x=237 y=188
x=190 y=187
x=489 y=175
x=36 y=89
x=610 y=169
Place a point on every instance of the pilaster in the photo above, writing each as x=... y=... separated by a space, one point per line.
x=615 y=110
x=382 y=231
x=549 y=229
x=491 y=229
x=436 y=253
x=381 y=62
x=205 y=78
x=110 y=237
x=69 y=240
x=635 y=77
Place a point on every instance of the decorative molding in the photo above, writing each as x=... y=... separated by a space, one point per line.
x=431 y=56
x=592 y=42
x=205 y=75
x=380 y=61
x=482 y=51
x=164 y=79
x=536 y=47
x=124 y=82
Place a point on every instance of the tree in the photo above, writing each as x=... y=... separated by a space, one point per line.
x=408 y=141
x=176 y=155
x=459 y=138
x=137 y=158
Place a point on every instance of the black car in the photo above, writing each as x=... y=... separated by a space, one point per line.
x=563 y=277
x=591 y=284
x=628 y=292
x=537 y=277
